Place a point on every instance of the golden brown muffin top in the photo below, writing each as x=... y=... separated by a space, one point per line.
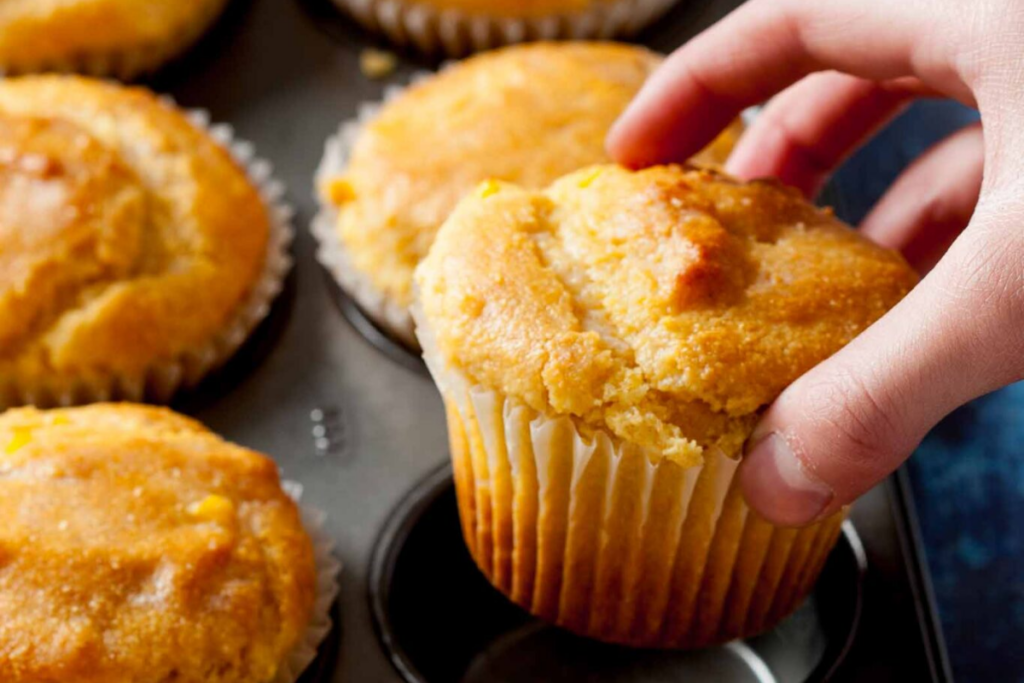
x=40 y=31
x=526 y=114
x=138 y=546
x=127 y=235
x=666 y=306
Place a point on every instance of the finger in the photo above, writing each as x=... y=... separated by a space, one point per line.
x=806 y=131
x=849 y=422
x=932 y=201
x=764 y=47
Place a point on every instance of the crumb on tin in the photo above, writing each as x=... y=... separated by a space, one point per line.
x=376 y=63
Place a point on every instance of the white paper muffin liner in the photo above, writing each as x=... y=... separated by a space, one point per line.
x=592 y=534
x=128 y=63
x=455 y=33
x=327 y=569
x=331 y=253
x=161 y=380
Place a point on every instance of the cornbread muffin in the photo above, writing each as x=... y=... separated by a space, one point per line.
x=138 y=546
x=121 y=38
x=456 y=27
x=526 y=114
x=604 y=348
x=135 y=253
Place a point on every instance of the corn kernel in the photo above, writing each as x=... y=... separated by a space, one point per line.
x=589 y=178
x=213 y=508
x=22 y=437
x=339 y=191
x=487 y=188
x=377 y=63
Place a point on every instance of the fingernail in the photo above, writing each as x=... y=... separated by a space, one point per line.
x=779 y=487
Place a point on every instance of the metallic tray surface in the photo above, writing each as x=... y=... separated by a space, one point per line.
x=358 y=427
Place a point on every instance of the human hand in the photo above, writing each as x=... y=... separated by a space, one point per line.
x=839 y=69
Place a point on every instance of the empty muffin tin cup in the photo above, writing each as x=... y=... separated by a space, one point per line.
x=440 y=621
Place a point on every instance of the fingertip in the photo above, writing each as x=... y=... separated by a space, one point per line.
x=633 y=139
x=617 y=142
x=742 y=162
x=763 y=153
x=777 y=485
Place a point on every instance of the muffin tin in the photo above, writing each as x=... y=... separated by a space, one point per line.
x=355 y=418
x=420 y=567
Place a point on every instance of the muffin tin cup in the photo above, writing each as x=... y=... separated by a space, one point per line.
x=160 y=381
x=392 y=317
x=588 y=533
x=419 y=561
x=128 y=63
x=454 y=33
x=327 y=568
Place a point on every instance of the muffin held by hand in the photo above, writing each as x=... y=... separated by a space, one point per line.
x=527 y=114
x=138 y=546
x=135 y=252
x=120 y=38
x=604 y=348
x=457 y=27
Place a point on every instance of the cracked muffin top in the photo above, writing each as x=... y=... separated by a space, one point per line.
x=526 y=114
x=666 y=306
x=138 y=546
x=127 y=235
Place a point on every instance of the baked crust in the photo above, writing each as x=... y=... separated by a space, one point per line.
x=526 y=114
x=127 y=235
x=40 y=34
x=138 y=546
x=666 y=306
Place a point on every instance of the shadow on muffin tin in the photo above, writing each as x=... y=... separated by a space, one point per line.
x=420 y=569
x=321 y=669
x=206 y=50
x=371 y=332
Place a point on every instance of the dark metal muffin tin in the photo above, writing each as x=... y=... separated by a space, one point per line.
x=356 y=420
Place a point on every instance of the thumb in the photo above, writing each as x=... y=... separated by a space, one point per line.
x=852 y=420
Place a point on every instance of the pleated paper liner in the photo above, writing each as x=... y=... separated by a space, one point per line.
x=589 y=534
x=455 y=33
x=327 y=568
x=130 y=62
x=163 y=378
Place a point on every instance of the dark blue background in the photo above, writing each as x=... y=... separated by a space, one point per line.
x=968 y=475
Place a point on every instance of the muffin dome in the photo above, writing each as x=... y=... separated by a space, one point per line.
x=526 y=115
x=138 y=546
x=102 y=37
x=665 y=306
x=128 y=239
